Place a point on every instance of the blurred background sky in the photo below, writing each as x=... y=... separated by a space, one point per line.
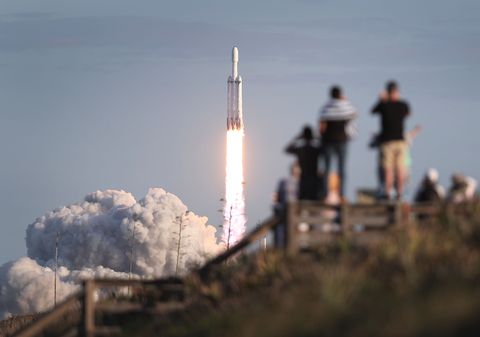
x=98 y=94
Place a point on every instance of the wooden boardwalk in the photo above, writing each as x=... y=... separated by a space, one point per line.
x=310 y=223
x=77 y=315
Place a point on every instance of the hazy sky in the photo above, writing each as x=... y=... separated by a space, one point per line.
x=98 y=94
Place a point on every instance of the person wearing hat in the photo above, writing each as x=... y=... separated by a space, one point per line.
x=307 y=150
x=430 y=190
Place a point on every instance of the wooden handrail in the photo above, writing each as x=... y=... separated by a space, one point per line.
x=113 y=282
x=46 y=319
x=253 y=236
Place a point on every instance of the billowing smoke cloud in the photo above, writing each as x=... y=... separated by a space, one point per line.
x=109 y=234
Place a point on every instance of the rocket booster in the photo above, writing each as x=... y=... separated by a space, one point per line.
x=234 y=96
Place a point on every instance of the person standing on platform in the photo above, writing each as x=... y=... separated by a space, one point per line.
x=393 y=111
x=307 y=150
x=336 y=128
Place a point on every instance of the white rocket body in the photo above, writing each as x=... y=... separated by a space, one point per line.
x=234 y=96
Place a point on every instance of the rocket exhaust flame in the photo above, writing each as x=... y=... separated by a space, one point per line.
x=234 y=209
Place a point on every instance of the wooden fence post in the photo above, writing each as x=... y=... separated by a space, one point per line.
x=292 y=240
x=397 y=215
x=344 y=218
x=89 y=309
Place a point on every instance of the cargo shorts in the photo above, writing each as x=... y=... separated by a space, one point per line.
x=394 y=154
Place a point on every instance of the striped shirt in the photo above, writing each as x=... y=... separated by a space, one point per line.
x=338 y=115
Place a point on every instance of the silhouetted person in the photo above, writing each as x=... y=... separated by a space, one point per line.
x=287 y=192
x=393 y=146
x=335 y=124
x=307 y=151
x=430 y=190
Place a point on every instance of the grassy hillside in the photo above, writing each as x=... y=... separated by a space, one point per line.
x=421 y=282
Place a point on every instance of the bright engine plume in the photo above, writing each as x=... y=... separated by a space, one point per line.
x=234 y=209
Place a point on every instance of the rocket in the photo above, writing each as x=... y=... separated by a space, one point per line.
x=234 y=96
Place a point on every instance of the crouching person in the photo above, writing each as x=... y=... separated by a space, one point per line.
x=463 y=189
x=430 y=190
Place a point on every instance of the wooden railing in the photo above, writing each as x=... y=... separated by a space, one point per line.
x=167 y=295
x=71 y=305
x=311 y=224
x=258 y=233
x=76 y=315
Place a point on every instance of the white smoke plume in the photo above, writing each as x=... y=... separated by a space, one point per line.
x=105 y=235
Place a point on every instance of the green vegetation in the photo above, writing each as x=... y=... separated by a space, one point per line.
x=424 y=281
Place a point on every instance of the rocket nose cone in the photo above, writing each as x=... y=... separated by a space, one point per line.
x=235 y=54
